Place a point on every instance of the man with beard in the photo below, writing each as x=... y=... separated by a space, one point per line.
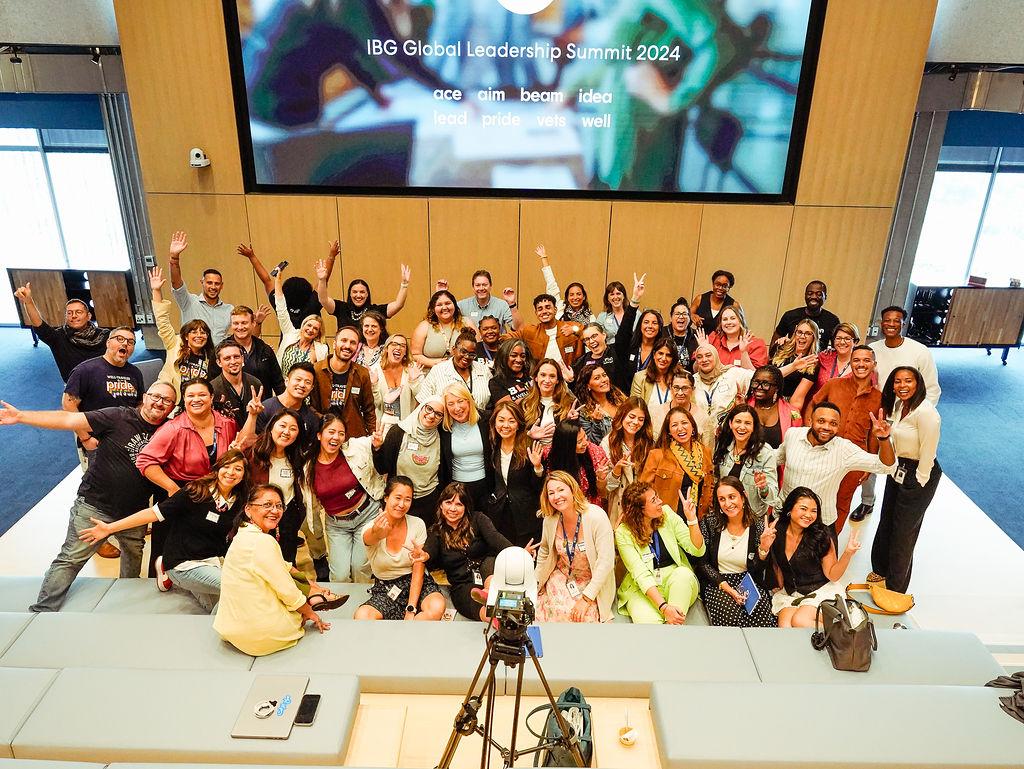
x=815 y=294
x=297 y=386
x=818 y=458
x=78 y=340
x=233 y=388
x=344 y=387
x=260 y=359
x=111 y=489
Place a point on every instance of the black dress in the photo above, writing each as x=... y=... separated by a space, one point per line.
x=708 y=315
x=722 y=609
x=459 y=565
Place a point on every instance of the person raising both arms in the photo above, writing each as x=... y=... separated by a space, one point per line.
x=483 y=304
x=77 y=340
x=300 y=299
x=350 y=311
x=574 y=306
x=207 y=306
x=302 y=342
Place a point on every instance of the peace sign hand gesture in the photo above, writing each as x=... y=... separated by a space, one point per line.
x=880 y=426
x=378 y=436
x=689 y=509
x=531 y=547
x=638 y=287
x=768 y=535
x=853 y=544
x=417 y=553
x=255 y=406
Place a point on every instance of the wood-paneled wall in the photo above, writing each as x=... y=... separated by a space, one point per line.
x=866 y=87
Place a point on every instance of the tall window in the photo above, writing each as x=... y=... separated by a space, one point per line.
x=59 y=209
x=973 y=224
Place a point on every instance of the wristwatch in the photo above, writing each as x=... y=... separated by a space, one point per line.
x=410 y=609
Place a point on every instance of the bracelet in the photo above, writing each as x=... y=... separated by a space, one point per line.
x=663 y=605
x=513 y=305
x=691 y=523
x=404 y=285
x=762 y=554
x=885 y=438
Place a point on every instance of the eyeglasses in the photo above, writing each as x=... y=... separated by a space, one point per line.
x=681 y=388
x=680 y=315
x=759 y=384
x=161 y=399
x=269 y=506
x=804 y=333
x=464 y=351
x=430 y=411
x=123 y=339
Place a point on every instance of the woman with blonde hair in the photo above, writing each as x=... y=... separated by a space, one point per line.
x=627 y=447
x=396 y=380
x=304 y=343
x=576 y=558
x=797 y=359
x=653 y=541
x=735 y=344
x=466 y=443
x=679 y=465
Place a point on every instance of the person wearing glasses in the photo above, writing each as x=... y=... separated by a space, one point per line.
x=110 y=489
x=396 y=380
x=705 y=308
x=461 y=368
x=797 y=359
x=681 y=331
x=773 y=411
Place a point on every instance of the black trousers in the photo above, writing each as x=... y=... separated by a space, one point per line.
x=899 y=523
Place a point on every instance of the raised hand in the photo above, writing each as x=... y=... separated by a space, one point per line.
x=255 y=405
x=156 y=279
x=535 y=453
x=441 y=284
x=95 y=533
x=639 y=286
x=621 y=465
x=9 y=415
x=804 y=361
x=509 y=294
x=24 y=293
x=531 y=547
x=335 y=248
x=406 y=273
x=768 y=535
x=741 y=395
x=541 y=252
x=261 y=314
x=700 y=334
x=245 y=250
x=689 y=509
x=382 y=525
x=415 y=371
x=880 y=426
x=574 y=410
x=320 y=267
x=378 y=435
x=853 y=544
x=744 y=341
x=179 y=242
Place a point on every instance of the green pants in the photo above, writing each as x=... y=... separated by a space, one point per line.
x=678 y=586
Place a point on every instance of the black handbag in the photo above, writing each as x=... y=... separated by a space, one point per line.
x=849 y=642
x=576 y=712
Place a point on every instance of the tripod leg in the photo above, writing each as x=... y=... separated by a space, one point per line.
x=515 y=716
x=465 y=720
x=572 y=745
x=487 y=731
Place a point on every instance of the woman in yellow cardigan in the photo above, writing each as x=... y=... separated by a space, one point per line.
x=659 y=586
x=262 y=609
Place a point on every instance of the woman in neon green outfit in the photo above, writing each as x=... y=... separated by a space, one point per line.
x=652 y=540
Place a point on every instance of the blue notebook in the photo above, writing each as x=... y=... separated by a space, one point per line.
x=753 y=594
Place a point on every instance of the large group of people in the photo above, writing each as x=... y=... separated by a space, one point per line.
x=643 y=464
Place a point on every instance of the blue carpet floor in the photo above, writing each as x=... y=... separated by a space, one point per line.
x=982 y=446
x=33 y=461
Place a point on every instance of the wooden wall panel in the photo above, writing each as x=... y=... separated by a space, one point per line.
x=575 y=235
x=468 y=234
x=659 y=239
x=294 y=228
x=868 y=77
x=842 y=246
x=215 y=225
x=176 y=65
x=110 y=298
x=378 y=235
x=750 y=242
x=49 y=294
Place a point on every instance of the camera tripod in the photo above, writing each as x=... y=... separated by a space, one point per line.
x=513 y=654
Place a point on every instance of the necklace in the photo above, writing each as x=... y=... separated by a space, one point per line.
x=734 y=538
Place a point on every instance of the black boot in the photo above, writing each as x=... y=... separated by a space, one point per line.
x=323 y=571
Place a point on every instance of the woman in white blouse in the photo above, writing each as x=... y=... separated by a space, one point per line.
x=396 y=381
x=297 y=344
x=910 y=488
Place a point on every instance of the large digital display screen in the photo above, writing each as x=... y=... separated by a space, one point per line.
x=676 y=99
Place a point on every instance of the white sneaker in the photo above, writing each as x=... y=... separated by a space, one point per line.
x=163 y=582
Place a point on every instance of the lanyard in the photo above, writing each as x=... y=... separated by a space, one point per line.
x=570 y=552
x=657 y=392
x=656 y=547
x=487 y=353
x=644 y=363
x=710 y=395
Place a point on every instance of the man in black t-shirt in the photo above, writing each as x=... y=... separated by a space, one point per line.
x=112 y=487
x=106 y=381
x=297 y=387
x=233 y=388
x=78 y=340
x=815 y=294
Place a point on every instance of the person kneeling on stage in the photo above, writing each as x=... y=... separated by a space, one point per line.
x=263 y=604
x=402 y=588
x=653 y=540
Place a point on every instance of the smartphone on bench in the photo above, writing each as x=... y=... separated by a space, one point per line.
x=307 y=710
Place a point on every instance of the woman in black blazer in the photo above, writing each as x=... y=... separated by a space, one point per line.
x=737 y=545
x=465 y=443
x=517 y=471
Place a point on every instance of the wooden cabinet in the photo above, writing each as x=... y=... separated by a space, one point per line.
x=985 y=317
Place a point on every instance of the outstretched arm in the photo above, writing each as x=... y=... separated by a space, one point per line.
x=24 y=295
x=395 y=305
x=323 y=268
x=48 y=420
x=257 y=266
x=179 y=242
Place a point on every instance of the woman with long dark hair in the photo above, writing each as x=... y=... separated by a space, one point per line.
x=373 y=333
x=804 y=560
x=599 y=400
x=198 y=517
x=435 y=335
x=639 y=352
x=518 y=468
x=654 y=383
x=572 y=452
x=626 y=446
x=911 y=487
x=510 y=378
x=464 y=543
x=741 y=452
x=263 y=606
x=679 y=466
x=614 y=303
x=358 y=299
x=738 y=543
x=549 y=400
x=189 y=349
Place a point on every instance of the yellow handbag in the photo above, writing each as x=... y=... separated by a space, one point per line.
x=886 y=601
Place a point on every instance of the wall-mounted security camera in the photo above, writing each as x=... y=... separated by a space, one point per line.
x=197 y=158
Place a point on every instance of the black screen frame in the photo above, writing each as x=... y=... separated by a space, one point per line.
x=801 y=116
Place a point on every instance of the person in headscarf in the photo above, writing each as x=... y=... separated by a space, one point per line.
x=77 y=340
x=413 y=448
x=717 y=388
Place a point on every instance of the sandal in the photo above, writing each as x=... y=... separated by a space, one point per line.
x=326 y=601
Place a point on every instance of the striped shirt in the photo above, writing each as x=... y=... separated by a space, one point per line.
x=822 y=468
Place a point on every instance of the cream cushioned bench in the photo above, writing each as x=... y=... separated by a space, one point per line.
x=21 y=689
x=18 y=593
x=12 y=624
x=177 y=716
x=26 y=763
x=168 y=642
x=615 y=660
x=731 y=726
x=903 y=657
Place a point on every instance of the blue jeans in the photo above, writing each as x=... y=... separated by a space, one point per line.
x=346 y=553
x=203 y=582
x=75 y=553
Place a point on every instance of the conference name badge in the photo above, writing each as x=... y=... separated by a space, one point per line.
x=355 y=391
x=568 y=348
x=213 y=517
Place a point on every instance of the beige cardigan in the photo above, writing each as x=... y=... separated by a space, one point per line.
x=600 y=541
